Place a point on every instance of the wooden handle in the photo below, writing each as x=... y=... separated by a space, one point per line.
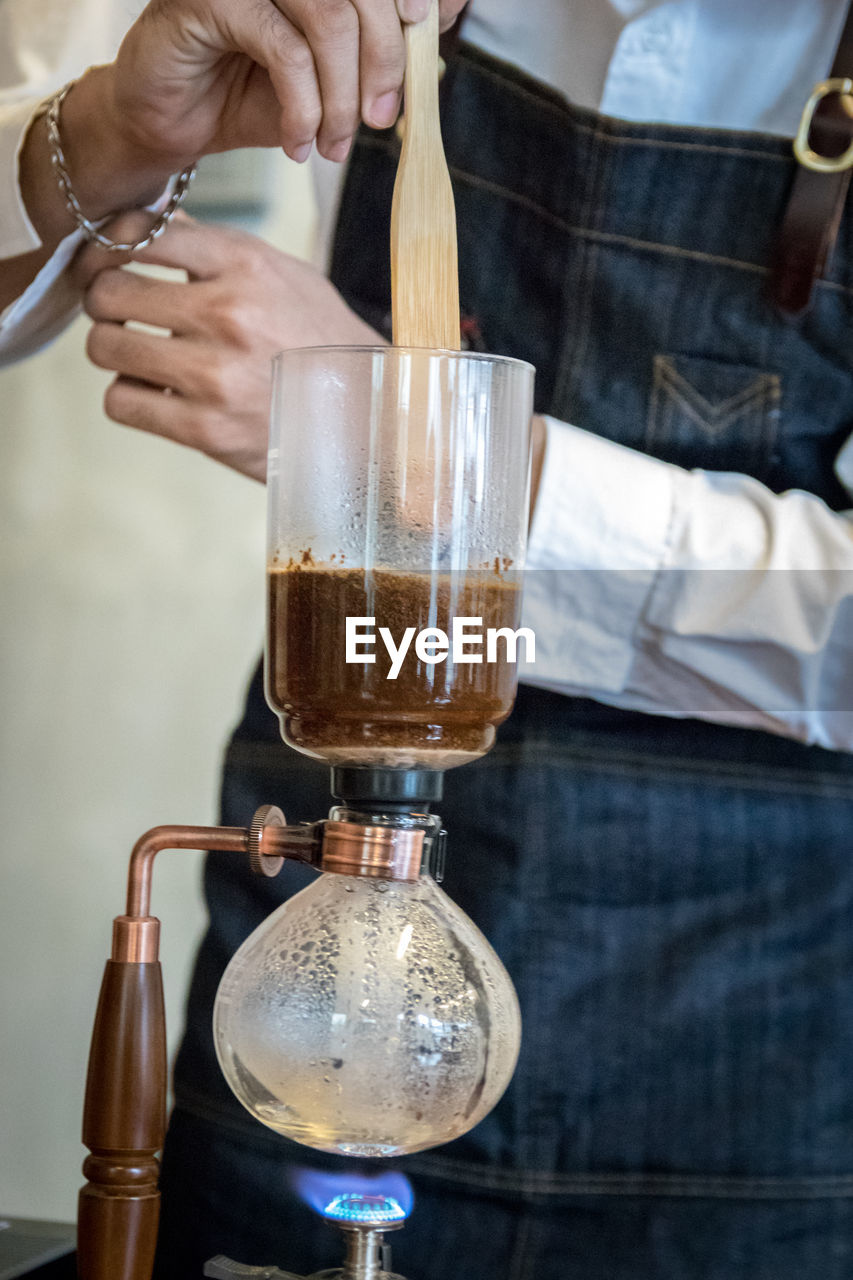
x=124 y=1125
x=424 y=270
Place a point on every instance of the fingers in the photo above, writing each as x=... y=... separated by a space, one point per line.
x=126 y=229
x=227 y=315
x=206 y=372
x=332 y=29
x=359 y=60
x=310 y=49
x=118 y=296
x=241 y=446
x=147 y=357
x=203 y=251
x=200 y=250
x=138 y=404
x=417 y=10
x=301 y=70
x=448 y=12
x=294 y=77
x=188 y=391
x=359 y=55
x=413 y=10
x=382 y=61
x=265 y=32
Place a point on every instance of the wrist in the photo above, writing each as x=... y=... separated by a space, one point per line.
x=111 y=171
x=107 y=173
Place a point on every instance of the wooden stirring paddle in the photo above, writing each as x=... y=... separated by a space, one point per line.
x=424 y=270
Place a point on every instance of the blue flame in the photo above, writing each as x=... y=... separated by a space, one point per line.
x=353 y=1206
x=354 y=1197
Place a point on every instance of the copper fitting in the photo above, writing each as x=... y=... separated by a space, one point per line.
x=136 y=941
x=382 y=853
x=261 y=862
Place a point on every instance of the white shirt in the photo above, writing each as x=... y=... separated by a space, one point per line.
x=733 y=64
x=679 y=593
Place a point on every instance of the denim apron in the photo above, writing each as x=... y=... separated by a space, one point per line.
x=674 y=900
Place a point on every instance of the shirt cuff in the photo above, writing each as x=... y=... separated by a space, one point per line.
x=600 y=534
x=17 y=234
x=51 y=300
x=45 y=307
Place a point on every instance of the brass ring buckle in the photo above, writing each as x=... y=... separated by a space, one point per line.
x=812 y=159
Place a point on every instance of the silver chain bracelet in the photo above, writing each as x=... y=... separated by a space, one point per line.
x=91 y=232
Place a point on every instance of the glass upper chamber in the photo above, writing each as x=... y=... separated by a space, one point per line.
x=398 y=492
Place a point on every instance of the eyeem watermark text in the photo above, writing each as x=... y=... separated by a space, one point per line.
x=467 y=642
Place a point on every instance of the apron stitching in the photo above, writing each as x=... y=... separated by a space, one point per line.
x=758 y=395
x=535 y=1182
x=697 y=1186
x=608 y=237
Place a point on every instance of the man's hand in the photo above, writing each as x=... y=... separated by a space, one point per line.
x=196 y=76
x=207 y=383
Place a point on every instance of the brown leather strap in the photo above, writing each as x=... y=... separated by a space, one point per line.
x=816 y=202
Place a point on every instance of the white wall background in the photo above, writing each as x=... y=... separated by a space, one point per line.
x=131 y=607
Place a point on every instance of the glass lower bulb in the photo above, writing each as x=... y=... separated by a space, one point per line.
x=367 y=1017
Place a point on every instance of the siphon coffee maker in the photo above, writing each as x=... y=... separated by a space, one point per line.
x=393 y=612
x=367 y=1015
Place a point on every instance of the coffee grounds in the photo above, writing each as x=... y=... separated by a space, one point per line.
x=434 y=715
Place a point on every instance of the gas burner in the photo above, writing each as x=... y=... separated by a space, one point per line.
x=360 y=1209
x=363 y=1207
x=368 y=1257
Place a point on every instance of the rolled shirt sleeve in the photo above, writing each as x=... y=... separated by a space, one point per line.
x=48 y=304
x=17 y=234
x=52 y=299
x=689 y=594
x=38 y=55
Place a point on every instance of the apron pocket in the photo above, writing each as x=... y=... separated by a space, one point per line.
x=713 y=414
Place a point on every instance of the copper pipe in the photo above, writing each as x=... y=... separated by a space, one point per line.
x=136 y=933
x=347 y=847
x=218 y=839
